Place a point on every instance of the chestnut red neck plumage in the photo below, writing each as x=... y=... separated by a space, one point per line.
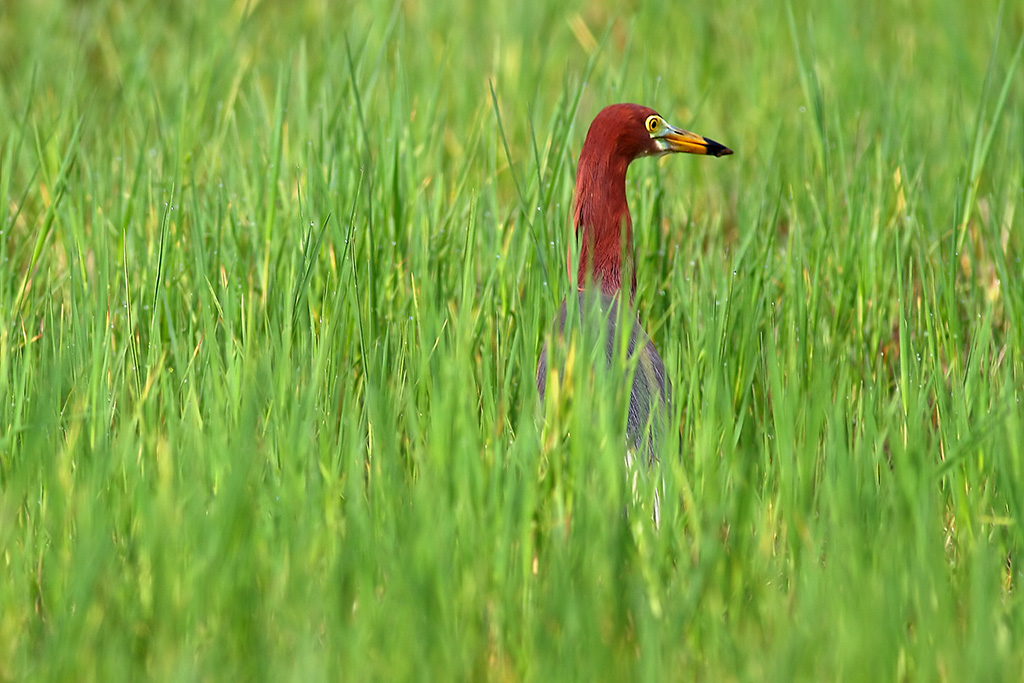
x=604 y=228
x=619 y=134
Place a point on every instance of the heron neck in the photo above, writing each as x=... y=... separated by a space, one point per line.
x=604 y=229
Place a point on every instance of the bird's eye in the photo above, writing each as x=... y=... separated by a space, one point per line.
x=653 y=124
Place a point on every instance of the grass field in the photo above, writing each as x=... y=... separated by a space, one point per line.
x=273 y=282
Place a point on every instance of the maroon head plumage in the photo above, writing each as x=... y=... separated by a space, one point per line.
x=619 y=134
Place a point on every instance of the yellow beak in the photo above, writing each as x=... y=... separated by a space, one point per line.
x=678 y=140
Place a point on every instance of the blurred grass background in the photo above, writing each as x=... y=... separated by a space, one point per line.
x=274 y=281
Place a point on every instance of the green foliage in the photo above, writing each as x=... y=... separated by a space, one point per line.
x=274 y=278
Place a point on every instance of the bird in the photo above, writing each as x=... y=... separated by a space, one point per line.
x=619 y=134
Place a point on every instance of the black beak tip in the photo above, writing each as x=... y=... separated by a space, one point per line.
x=717 y=149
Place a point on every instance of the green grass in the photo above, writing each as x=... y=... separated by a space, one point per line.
x=273 y=282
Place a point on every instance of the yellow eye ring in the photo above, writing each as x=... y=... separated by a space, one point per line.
x=653 y=124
